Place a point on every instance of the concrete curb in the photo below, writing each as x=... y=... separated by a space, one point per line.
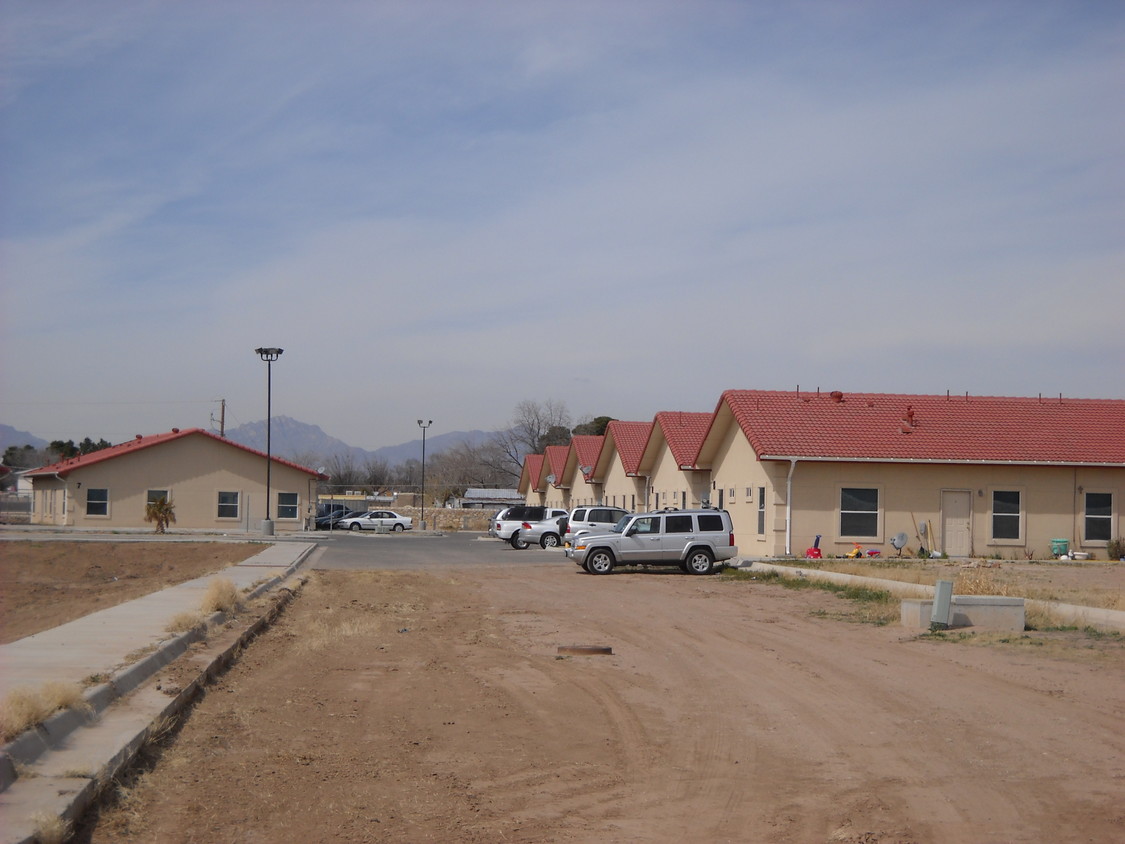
x=51 y=733
x=69 y=796
x=1096 y=617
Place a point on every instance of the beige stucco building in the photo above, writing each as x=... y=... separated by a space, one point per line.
x=963 y=475
x=213 y=483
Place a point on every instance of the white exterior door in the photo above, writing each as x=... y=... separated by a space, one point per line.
x=956 y=522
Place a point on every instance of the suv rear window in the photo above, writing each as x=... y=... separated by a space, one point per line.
x=610 y=516
x=711 y=522
x=579 y=516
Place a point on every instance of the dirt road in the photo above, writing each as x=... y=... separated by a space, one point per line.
x=434 y=706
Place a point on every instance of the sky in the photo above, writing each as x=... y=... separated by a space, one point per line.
x=440 y=209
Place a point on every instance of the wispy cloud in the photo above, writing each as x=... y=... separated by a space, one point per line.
x=413 y=198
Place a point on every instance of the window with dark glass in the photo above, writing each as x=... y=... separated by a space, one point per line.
x=710 y=522
x=1099 y=516
x=1006 y=514
x=97 y=502
x=677 y=524
x=761 y=511
x=287 y=505
x=859 y=511
x=228 y=505
x=155 y=495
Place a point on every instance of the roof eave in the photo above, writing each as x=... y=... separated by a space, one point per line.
x=940 y=461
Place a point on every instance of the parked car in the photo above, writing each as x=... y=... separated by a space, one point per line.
x=331 y=519
x=694 y=540
x=592 y=520
x=508 y=523
x=546 y=534
x=373 y=519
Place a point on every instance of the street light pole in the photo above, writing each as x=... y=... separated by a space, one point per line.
x=424 y=426
x=269 y=355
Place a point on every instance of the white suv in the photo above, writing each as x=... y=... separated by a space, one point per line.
x=592 y=520
x=507 y=524
x=694 y=540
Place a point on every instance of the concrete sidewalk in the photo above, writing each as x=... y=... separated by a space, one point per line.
x=61 y=762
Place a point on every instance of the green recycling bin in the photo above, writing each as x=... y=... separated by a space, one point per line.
x=1059 y=546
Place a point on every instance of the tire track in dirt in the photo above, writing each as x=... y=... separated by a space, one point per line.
x=411 y=707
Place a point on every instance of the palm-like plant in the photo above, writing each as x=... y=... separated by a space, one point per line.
x=162 y=511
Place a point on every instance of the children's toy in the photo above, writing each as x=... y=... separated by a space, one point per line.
x=814 y=552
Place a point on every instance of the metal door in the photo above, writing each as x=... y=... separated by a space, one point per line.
x=956 y=522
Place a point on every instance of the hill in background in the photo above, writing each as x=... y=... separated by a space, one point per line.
x=295 y=440
x=292 y=439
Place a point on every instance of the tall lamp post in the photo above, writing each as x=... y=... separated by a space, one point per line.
x=424 y=426
x=269 y=356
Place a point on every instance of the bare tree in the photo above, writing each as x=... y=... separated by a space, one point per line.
x=343 y=471
x=534 y=426
x=376 y=472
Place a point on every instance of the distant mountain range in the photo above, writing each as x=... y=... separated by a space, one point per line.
x=9 y=436
x=292 y=439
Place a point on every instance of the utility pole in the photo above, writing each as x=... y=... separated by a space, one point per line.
x=222 y=417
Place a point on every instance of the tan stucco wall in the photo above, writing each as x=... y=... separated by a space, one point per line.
x=620 y=490
x=737 y=468
x=1052 y=502
x=675 y=487
x=194 y=470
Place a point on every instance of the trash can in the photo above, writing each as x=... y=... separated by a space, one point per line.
x=1059 y=546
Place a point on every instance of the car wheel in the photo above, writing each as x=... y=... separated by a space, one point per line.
x=516 y=542
x=398 y=526
x=700 y=561
x=549 y=540
x=354 y=526
x=599 y=562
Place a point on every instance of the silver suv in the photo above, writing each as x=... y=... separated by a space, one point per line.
x=694 y=540
x=592 y=520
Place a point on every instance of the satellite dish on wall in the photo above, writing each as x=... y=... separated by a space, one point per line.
x=899 y=542
x=550 y=479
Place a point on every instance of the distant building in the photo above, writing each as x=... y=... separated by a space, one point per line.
x=213 y=483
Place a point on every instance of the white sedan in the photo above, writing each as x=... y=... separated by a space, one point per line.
x=373 y=519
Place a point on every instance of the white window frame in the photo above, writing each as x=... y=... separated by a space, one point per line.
x=1111 y=518
x=108 y=510
x=1022 y=538
x=879 y=507
x=296 y=505
x=237 y=505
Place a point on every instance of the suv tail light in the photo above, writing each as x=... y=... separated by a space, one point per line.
x=732 y=539
x=526 y=526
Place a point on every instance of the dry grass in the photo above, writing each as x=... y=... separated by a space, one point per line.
x=903 y=572
x=50 y=829
x=221 y=596
x=23 y=708
x=185 y=621
x=977 y=579
x=325 y=632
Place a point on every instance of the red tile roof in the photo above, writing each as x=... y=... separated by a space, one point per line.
x=532 y=467
x=975 y=429
x=629 y=439
x=555 y=458
x=684 y=433
x=139 y=443
x=586 y=449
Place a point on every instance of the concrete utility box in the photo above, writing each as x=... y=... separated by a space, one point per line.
x=985 y=612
